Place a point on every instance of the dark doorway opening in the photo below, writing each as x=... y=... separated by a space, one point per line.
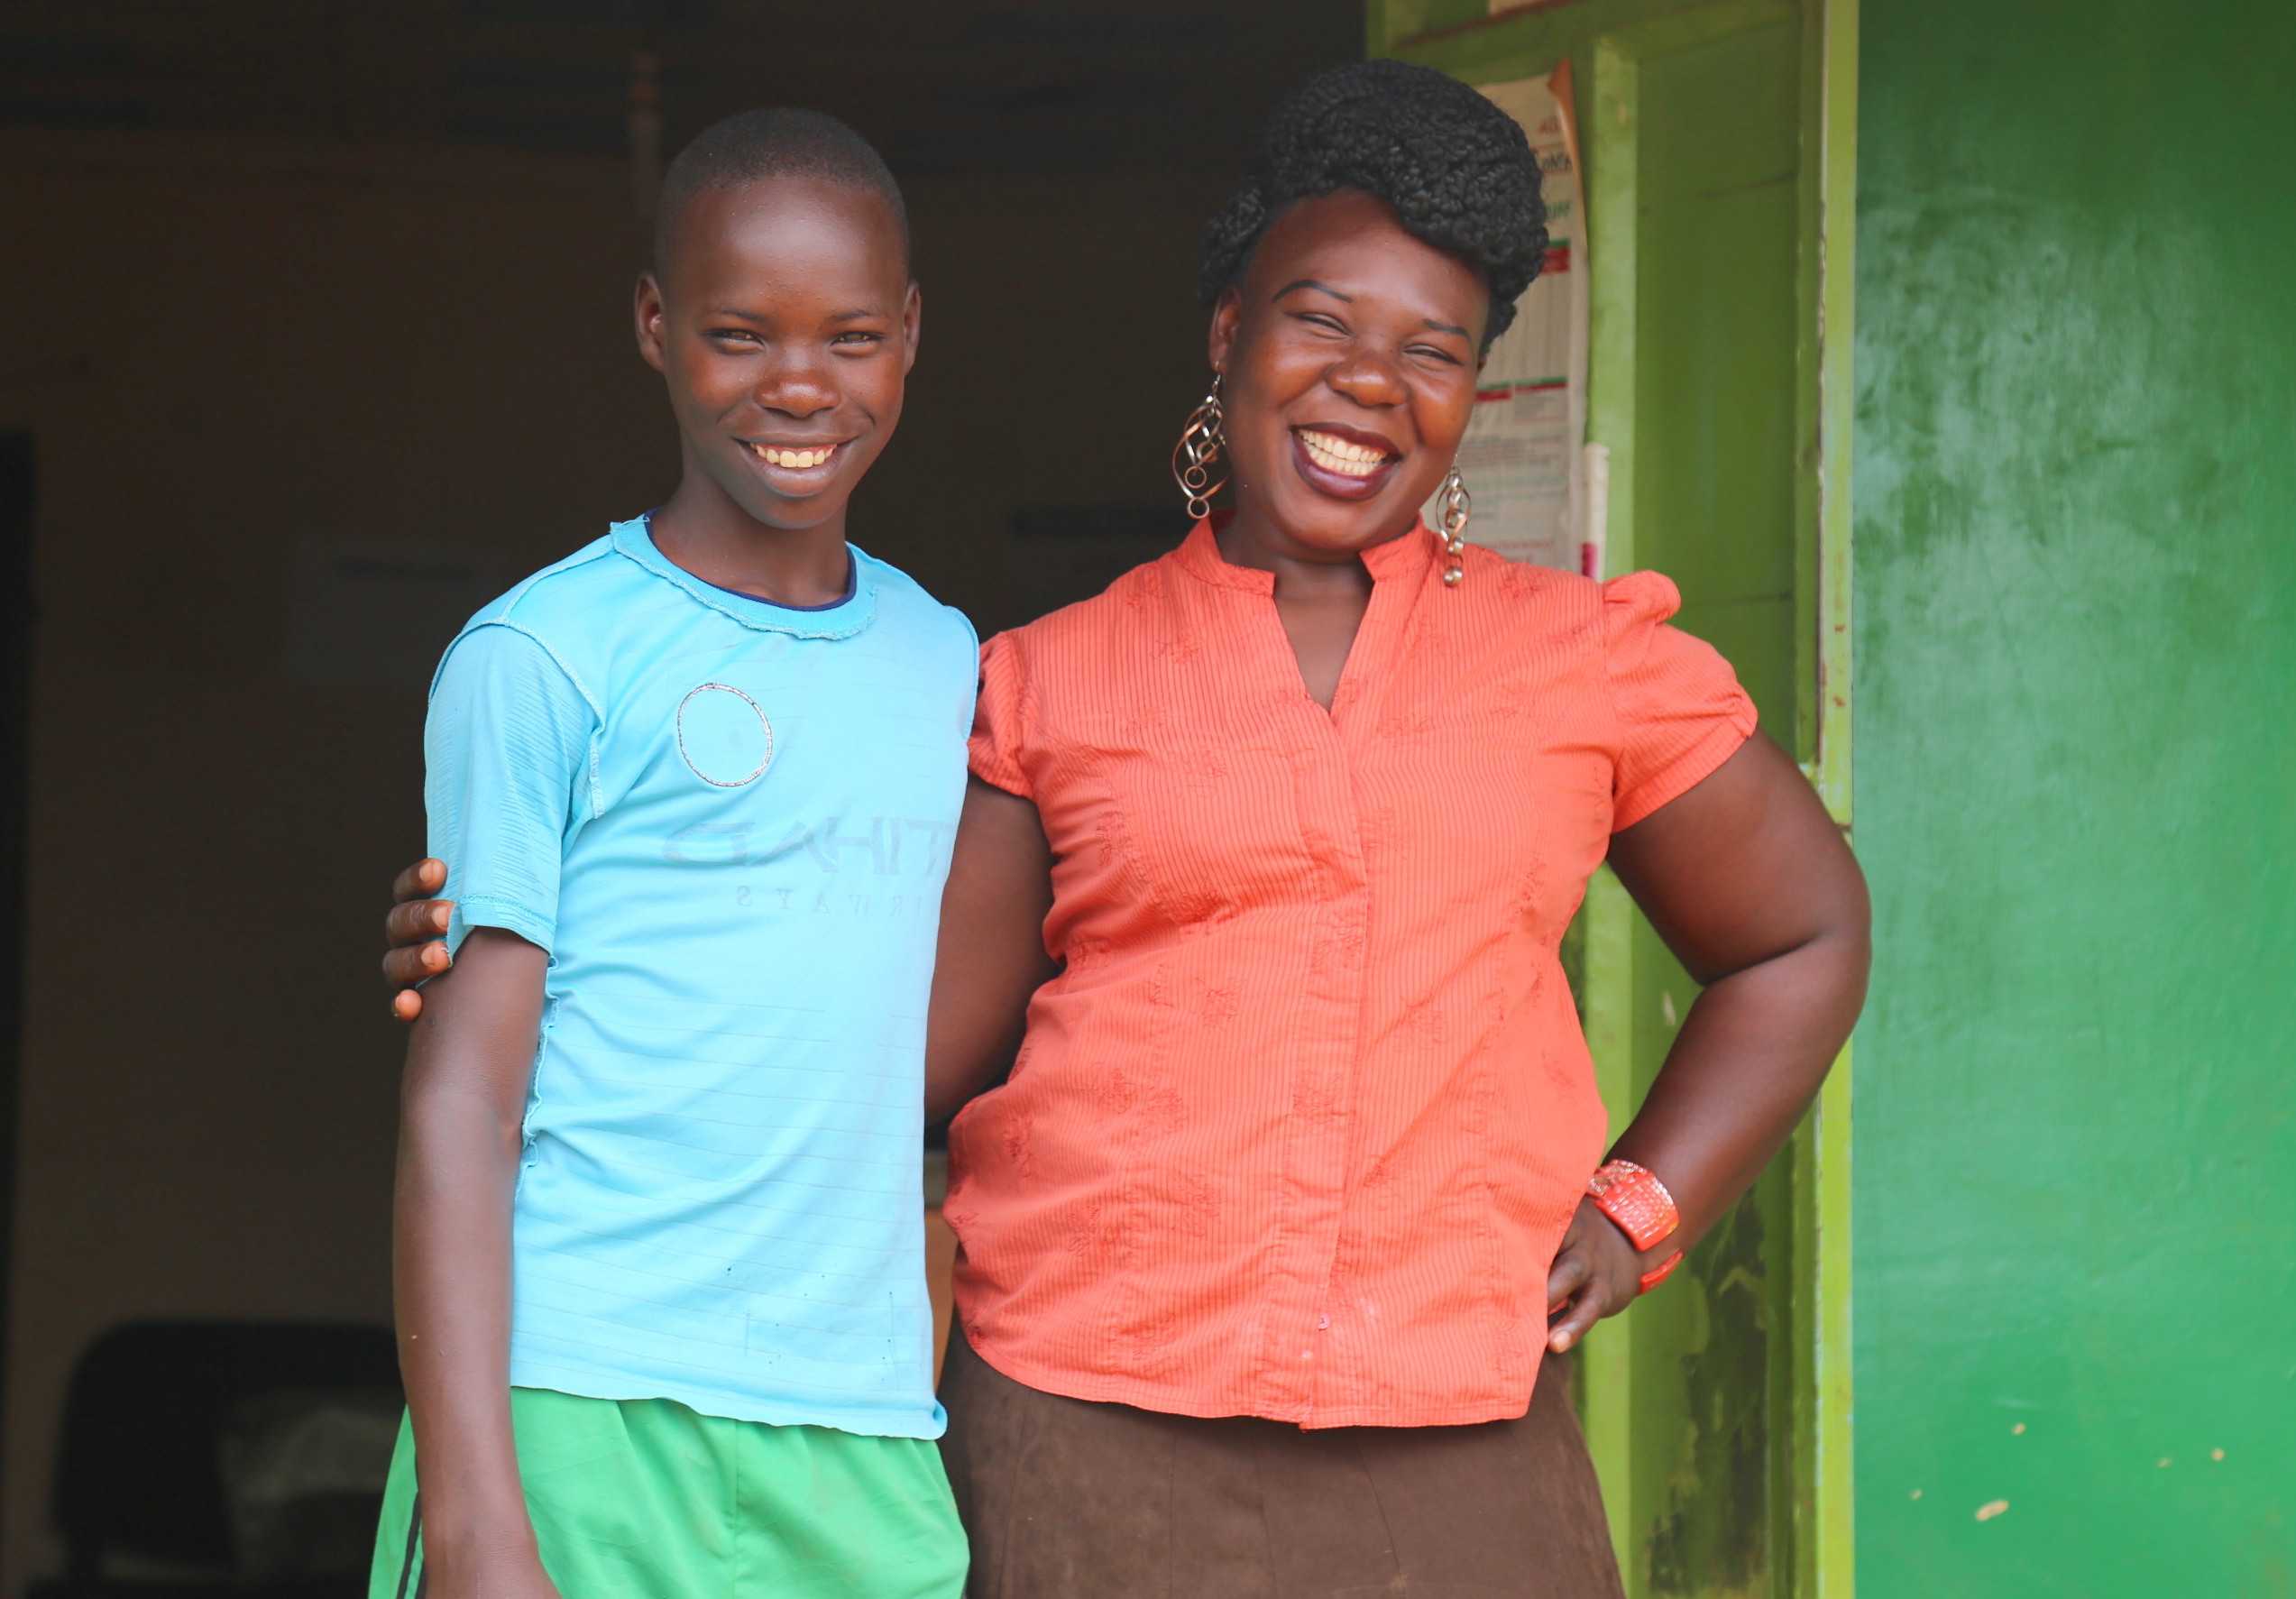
x=15 y=772
x=398 y=245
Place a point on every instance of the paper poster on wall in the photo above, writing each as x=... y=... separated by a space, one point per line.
x=1521 y=459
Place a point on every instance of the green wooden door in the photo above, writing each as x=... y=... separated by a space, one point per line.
x=1716 y=141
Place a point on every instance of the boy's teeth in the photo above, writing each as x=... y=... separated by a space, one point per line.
x=798 y=459
x=1340 y=455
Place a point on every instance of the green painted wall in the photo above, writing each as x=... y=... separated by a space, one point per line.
x=2076 y=793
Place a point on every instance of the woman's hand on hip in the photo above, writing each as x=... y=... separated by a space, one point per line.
x=1597 y=1272
x=415 y=933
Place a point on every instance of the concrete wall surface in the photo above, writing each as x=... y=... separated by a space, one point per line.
x=2076 y=793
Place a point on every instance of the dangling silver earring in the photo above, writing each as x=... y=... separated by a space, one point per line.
x=1202 y=444
x=1457 y=508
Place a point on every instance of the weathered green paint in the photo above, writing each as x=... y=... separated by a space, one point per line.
x=1711 y=176
x=2076 y=792
x=1823 y=1491
x=1711 y=405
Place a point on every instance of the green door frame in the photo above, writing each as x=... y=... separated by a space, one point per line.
x=1811 y=1474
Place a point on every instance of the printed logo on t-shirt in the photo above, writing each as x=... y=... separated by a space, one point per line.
x=723 y=735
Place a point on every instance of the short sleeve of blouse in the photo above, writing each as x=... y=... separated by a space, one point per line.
x=1003 y=718
x=1681 y=712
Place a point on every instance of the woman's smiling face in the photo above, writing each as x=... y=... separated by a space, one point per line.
x=1349 y=356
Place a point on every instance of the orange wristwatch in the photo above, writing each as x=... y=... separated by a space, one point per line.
x=1633 y=1197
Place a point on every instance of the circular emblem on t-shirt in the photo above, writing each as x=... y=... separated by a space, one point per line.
x=723 y=735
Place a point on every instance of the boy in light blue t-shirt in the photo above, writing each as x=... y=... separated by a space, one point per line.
x=660 y=1275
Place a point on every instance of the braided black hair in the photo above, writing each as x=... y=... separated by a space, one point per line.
x=1457 y=170
x=751 y=146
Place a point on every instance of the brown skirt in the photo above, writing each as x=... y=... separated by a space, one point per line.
x=1072 y=1499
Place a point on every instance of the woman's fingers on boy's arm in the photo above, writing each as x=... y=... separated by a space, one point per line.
x=422 y=880
x=413 y=931
x=409 y=964
x=405 y=967
x=416 y=921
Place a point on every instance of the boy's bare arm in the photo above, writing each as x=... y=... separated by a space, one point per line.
x=992 y=954
x=468 y=1064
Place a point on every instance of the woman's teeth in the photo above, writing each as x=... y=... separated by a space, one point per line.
x=1338 y=455
x=796 y=460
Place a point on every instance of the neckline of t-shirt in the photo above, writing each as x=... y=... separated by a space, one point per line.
x=852 y=580
x=852 y=587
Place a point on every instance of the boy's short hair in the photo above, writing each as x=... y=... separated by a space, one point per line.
x=783 y=142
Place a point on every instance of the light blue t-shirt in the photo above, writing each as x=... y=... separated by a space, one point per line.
x=729 y=822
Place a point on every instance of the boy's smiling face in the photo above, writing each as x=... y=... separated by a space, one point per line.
x=785 y=323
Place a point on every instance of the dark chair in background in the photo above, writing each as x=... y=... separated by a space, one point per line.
x=206 y=1459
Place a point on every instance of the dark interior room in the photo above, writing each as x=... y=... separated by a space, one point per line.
x=320 y=336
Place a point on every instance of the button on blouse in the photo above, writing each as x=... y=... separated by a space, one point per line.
x=1297 y=1129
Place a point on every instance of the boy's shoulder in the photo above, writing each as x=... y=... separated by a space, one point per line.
x=566 y=590
x=905 y=602
x=539 y=606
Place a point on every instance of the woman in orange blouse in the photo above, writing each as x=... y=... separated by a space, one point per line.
x=1267 y=1236
x=1286 y=1197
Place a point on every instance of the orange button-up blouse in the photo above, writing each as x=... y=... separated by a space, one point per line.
x=1297 y=1129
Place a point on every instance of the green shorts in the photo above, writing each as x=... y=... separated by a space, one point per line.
x=644 y=1499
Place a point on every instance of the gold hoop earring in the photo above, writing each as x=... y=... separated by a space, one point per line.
x=1201 y=445
x=1457 y=508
